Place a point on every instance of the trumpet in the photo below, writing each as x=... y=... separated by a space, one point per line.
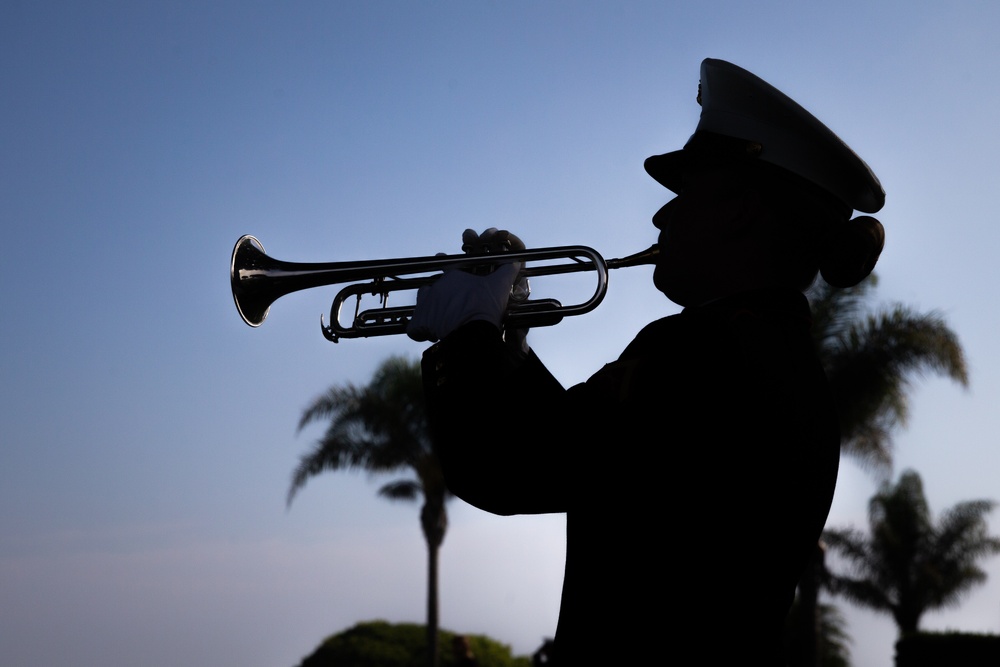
x=258 y=281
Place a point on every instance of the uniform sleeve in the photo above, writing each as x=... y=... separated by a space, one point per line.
x=506 y=432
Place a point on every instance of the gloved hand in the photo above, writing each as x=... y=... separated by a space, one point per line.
x=458 y=297
x=491 y=242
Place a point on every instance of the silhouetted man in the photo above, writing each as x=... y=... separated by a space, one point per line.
x=696 y=471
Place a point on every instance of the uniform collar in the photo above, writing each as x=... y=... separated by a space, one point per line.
x=768 y=302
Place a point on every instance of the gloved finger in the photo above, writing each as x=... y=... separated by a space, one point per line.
x=420 y=333
x=488 y=238
x=470 y=241
x=505 y=274
x=418 y=328
x=507 y=241
x=504 y=241
x=500 y=240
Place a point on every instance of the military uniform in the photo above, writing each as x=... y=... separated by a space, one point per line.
x=697 y=470
x=696 y=473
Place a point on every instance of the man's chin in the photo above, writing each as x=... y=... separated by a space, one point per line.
x=670 y=287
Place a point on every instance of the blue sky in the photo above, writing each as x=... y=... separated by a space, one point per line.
x=148 y=435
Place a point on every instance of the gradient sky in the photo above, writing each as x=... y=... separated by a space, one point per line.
x=148 y=435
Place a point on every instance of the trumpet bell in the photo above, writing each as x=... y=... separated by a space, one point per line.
x=252 y=292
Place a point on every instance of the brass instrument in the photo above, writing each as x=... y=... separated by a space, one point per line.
x=258 y=280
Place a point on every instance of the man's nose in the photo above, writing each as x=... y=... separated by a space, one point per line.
x=662 y=217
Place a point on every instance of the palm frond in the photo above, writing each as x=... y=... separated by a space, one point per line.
x=862 y=592
x=403 y=489
x=330 y=404
x=908 y=563
x=835 y=645
x=833 y=309
x=379 y=428
x=871 y=363
x=872 y=358
x=851 y=544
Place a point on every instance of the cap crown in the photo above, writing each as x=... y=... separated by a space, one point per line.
x=736 y=103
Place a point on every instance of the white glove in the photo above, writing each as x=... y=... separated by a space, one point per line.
x=494 y=241
x=458 y=297
x=479 y=293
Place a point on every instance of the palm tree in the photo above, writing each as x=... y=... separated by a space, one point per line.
x=382 y=428
x=871 y=360
x=909 y=564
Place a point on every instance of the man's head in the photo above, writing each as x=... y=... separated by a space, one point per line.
x=761 y=186
x=735 y=227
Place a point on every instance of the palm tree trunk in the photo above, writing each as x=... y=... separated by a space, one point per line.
x=433 y=650
x=808 y=630
x=434 y=522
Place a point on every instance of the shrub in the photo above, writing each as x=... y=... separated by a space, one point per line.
x=383 y=644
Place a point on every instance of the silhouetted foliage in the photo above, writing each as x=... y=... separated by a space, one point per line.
x=871 y=358
x=383 y=644
x=833 y=641
x=382 y=428
x=907 y=564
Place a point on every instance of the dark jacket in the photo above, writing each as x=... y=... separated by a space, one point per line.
x=696 y=473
